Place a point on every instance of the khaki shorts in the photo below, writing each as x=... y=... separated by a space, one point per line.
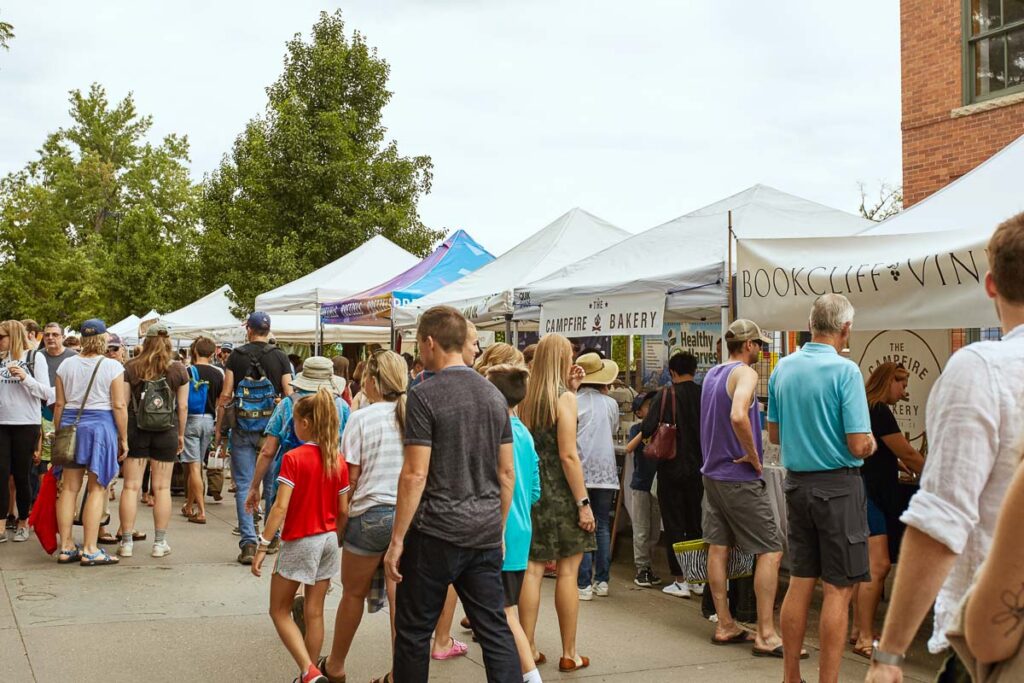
x=738 y=514
x=828 y=526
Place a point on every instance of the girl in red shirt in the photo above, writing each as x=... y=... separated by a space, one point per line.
x=312 y=498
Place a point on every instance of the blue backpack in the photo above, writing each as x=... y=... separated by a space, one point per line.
x=255 y=396
x=198 y=392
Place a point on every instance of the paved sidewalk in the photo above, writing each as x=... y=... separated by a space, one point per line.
x=196 y=615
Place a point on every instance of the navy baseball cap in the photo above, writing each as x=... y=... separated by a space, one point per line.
x=640 y=399
x=92 y=327
x=258 y=321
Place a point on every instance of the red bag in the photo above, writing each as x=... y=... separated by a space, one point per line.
x=663 y=443
x=44 y=514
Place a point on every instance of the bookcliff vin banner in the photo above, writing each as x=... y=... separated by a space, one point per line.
x=926 y=281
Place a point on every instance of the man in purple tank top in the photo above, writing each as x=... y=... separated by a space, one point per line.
x=737 y=511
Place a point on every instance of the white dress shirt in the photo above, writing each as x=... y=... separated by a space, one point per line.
x=975 y=420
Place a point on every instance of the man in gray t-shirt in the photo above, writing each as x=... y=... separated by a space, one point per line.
x=453 y=495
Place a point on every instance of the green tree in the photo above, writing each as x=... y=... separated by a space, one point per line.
x=6 y=35
x=313 y=178
x=103 y=223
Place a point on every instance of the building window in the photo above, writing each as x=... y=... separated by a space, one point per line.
x=994 y=48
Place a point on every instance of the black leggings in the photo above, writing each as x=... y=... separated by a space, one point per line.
x=17 y=445
x=680 y=502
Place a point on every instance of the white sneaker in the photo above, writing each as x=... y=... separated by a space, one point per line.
x=586 y=593
x=21 y=535
x=125 y=549
x=696 y=588
x=160 y=549
x=3 y=535
x=601 y=589
x=676 y=589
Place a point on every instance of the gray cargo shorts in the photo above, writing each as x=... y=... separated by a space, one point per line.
x=828 y=526
x=739 y=514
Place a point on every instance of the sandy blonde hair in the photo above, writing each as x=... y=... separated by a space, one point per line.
x=15 y=331
x=95 y=345
x=498 y=354
x=388 y=370
x=320 y=410
x=156 y=356
x=547 y=380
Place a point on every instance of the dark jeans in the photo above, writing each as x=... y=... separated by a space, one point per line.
x=17 y=444
x=680 y=501
x=428 y=566
x=598 y=563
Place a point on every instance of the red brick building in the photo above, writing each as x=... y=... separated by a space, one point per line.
x=963 y=87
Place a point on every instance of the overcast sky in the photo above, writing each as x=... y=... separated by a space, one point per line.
x=638 y=112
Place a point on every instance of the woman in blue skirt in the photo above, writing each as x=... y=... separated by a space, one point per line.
x=101 y=441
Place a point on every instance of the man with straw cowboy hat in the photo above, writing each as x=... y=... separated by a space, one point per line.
x=598 y=419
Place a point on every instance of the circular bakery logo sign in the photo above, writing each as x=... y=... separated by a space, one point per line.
x=923 y=354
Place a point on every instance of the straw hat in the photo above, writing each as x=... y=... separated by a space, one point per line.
x=597 y=369
x=317 y=372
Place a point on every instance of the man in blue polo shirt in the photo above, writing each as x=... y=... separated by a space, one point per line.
x=818 y=413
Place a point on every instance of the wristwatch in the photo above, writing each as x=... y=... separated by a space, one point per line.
x=583 y=502
x=887 y=658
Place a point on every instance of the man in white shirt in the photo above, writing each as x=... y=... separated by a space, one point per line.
x=975 y=420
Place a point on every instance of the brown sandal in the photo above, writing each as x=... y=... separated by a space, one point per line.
x=864 y=652
x=322 y=665
x=566 y=665
x=197 y=519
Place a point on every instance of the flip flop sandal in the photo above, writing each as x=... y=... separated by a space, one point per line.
x=738 y=639
x=107 y=539
x=777 y=652
x=186 y=511
x=864 y=652
x=70 y=556
x=98 y=559
x=322 y=665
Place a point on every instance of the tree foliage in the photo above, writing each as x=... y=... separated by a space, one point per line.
x=888 y=203
x=313 y=177
x=103 y=223
x=6 y=35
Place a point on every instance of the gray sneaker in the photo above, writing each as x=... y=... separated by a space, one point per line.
x=21 y=535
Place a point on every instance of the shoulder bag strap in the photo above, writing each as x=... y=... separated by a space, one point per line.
x=88 y=389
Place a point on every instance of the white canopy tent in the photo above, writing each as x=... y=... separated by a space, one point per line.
x=127 y=329
x=211 y=316
x=376 y=260
x=485 y=296
x=685 y=259
x=920 y=269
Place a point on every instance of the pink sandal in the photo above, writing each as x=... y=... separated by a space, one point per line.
x=458 y=649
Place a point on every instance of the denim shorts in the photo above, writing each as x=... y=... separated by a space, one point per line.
x=370 y=533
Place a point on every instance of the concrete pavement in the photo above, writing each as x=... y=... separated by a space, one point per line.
x=196 y=615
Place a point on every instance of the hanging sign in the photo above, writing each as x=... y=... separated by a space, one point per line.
x=597 y=316
x=699 y=338
x=923 y=353
x=925 y=281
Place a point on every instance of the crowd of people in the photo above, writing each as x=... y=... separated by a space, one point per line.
x=469 y=475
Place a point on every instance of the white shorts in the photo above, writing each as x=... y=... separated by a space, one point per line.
x=310 y=559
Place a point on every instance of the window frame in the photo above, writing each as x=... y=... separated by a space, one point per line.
x=968 y=68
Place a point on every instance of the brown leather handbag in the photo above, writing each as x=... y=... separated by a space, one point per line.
x=662 y=445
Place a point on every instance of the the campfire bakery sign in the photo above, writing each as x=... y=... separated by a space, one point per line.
x=596 y=316
x=931 y=281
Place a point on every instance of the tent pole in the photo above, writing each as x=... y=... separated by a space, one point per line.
x=508 y=329
x=728 y=273
x=515 y=334
x=629 y=361
x=725 y=326
x=318 y=341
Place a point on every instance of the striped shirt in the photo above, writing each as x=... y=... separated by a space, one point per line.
x=373 y=442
